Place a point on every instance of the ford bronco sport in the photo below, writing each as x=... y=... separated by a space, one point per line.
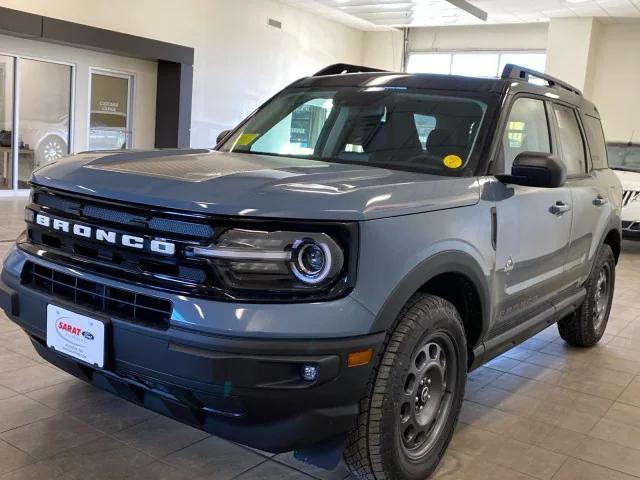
x=323 y=280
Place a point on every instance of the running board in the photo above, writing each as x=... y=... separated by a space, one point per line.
x=515 y=336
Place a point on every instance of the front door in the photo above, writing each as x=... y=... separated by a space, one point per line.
x=533 y=225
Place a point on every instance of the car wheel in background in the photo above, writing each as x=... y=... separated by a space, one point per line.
x=51 y=148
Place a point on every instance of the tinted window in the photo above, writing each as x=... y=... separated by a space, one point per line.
x=624 y=157
x=595 y=137
x=393 y=128
x=527 y=130
x=573 y=154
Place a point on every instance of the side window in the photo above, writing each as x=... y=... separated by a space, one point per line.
x=597 y=144
x=573 y=153
x=527 y=130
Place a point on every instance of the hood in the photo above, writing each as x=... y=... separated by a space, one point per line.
x=629 y=180
x=250 y=185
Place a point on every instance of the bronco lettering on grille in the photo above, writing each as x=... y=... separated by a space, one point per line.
x=100 y=235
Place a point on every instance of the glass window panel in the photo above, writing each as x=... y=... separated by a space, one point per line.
x=109 y=117
x=6 y=121
x=425 y=124
x=430 y=63
x=45 y=102
x=573 y=154
x=534 y=61
x=527 y=130
x=597 y=144
x=297 y=133
x=475 y=64
x=624 y=156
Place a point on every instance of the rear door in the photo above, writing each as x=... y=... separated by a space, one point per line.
x=532 y=241
x=590 y=192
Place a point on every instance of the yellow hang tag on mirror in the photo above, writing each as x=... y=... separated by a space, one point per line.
x=452 y=161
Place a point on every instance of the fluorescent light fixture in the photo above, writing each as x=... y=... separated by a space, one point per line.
x=471 y=9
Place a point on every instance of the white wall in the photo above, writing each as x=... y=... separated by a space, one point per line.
x=615 y=80
x=144 y=111
x=569 y=50
x=531 y=36
x=239 y=60
x=383 y=50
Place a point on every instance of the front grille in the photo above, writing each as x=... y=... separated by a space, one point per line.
x=143 y=266
x=117 y=302
x=631 y=226
x=629 y=196
x=126 y=217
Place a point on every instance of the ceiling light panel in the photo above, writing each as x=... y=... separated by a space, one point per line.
x=413 y=13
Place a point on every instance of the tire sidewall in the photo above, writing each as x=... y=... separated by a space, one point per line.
x=444 y=321
x=605 y=256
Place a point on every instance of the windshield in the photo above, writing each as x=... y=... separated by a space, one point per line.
x=624 y=157
x=389 y=127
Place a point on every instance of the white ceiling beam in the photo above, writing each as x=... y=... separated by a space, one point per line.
x=469 y=8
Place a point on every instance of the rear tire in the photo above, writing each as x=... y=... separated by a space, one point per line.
x=407 y=420
x=587 y=325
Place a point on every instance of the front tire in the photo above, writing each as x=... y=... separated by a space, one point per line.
x=408 y=418
x=587 y=325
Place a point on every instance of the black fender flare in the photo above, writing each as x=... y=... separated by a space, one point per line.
x=451 y=261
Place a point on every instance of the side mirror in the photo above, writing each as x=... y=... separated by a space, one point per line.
x=221 y=136
x=536 y=169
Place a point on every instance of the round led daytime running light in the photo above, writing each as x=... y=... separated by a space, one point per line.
x=301 y=271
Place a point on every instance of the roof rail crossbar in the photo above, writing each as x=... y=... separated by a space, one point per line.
x=340 y=68
x=523 y=73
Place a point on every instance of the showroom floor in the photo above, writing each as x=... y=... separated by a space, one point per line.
x=542 y=410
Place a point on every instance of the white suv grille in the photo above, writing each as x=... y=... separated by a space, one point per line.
x=629 y=196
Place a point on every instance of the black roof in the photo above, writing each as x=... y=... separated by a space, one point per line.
x=408 y=80
x=514 y=78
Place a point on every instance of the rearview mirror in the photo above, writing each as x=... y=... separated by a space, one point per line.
x=536 y=169
x=221 y=136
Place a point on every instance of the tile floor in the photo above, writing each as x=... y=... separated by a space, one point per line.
x=541 y=411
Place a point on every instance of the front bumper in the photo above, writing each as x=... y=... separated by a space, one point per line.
x=245 y=389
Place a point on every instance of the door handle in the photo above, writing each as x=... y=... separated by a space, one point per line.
x=559 y=208
x=599 y=201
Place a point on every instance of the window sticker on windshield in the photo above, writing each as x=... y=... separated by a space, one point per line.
x=246 y=138
x=452 y=161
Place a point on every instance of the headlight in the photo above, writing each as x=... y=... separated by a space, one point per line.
x=278 y=261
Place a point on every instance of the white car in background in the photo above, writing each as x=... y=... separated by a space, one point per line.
x=624 y=158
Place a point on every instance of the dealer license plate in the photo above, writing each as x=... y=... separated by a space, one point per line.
x=75 y=335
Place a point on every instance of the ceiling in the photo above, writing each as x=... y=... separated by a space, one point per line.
x=383 y=14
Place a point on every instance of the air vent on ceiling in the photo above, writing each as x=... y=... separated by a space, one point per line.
x=272 y=22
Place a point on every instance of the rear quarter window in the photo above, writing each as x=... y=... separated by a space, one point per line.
x=597 y=145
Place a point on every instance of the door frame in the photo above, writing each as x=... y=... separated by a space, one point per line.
x=15 y=102
x=131 y=81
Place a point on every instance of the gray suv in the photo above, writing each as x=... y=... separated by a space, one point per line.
x=325 y=278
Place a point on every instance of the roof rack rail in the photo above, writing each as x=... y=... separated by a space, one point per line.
x=340 y=68
x=523 y=73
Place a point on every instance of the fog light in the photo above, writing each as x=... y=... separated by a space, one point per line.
x=309 y=372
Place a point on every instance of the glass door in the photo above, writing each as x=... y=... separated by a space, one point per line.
x=44 y=115
x=110 y=115
x=6 y=122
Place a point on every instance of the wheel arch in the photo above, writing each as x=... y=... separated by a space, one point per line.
x=614 y=240
x=453 y=275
